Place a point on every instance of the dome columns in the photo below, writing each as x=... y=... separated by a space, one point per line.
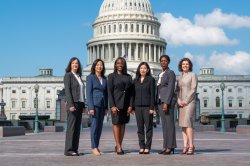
x=132 y=51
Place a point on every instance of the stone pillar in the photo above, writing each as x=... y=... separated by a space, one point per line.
x=123 y=50
x=116 y=51
x=143 y=51
x=155 y=57
x=103 y=52
x=94 y=53
x=129 y=51
x=110 y=55
x=159 y=51
x=88 y=55
x=98 y=52
x=149 y=52
x=136 y=51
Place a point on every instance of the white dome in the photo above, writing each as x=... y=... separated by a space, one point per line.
x=122 y=6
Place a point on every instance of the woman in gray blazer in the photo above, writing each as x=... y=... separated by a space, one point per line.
x=74 y=92
x=166 y=100
x=186 y=92
x=97 y=99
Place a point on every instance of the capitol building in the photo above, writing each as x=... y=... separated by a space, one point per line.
x=126 y=28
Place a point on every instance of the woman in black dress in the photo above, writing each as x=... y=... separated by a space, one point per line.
x=144 y=102
x=120 y=100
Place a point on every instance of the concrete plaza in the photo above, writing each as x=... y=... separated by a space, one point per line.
x=212 y=148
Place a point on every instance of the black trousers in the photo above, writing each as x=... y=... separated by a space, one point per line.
x=168 y=127
x=74 y=128
x=143 y=118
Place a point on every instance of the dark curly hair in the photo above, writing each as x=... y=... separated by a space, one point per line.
x=190 y=64
x=79 y=70
x=94 y=65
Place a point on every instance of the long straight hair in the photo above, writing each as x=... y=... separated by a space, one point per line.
x=138 y=74
x=94 y=65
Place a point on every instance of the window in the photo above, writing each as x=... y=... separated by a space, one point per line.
x=23 y=104
x=217 y=90
x=137 y=28
x=48 y=91
x=205 y=103
x=229 y=90
x=239 y=90
x=126 y=27
x=47 y=104
x=109 y=28
x=23 y=91
x=13 y=91
x=100 y=30
x=240 y=103
x=132 y=28
x=115 y=28
x=104 y=30
x=204 y=90
x=230 y=103
x=120 y=28
x=217 y=102
x=147 y=28
x=142 y=29
x=13 y=104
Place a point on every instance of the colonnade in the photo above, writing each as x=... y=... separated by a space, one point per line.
x=130 y=51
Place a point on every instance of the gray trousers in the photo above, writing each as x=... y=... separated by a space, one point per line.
x=74 y=128
x=168 y=127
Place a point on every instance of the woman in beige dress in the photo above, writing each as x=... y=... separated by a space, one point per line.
x=186 y=91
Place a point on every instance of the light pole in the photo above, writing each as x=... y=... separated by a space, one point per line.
x=36 y=104
x=222 y=87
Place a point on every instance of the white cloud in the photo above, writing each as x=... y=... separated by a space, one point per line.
x=224 y=63
x=219 y=19
x=181 y=31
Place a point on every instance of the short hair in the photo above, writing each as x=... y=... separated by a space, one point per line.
x=94 y=65
x=165 y=56
x=138 y=75
x=79 y=70
x=124 y=70
x=190 y=64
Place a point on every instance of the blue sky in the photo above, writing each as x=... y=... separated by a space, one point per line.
x=46 y=33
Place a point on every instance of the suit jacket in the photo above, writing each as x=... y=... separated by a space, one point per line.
x=120 y=90
x=97 y=94
x=186 y=87
x=144 y=93
x=166 y=89
x=72 y=89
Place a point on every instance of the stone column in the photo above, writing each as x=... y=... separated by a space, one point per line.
x=116 y=50
x=143 y=51
x=89 y=56
x=98 y=52
x=129 y=51
x=155 y=57
x=110 y=55
x=136 y=51
x=103 y=52
x=149 y=52
x=123 y=50
x=159 y=51
x=94 y=53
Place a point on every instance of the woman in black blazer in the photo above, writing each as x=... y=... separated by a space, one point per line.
x=144 y=101
x=120 y=100
x=74 y=92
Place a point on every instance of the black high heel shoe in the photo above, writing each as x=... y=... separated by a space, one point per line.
x=162 y=151
x=169 y=151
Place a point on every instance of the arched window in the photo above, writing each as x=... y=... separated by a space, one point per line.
x=114 y=28
x=126 y=27
x=109 y=28
x=120 y=28
x=132 y=27
x=137 y=28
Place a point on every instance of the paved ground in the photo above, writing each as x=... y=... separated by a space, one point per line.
x=213 y=148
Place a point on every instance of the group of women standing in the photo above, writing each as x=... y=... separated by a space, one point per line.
x=125 y=96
